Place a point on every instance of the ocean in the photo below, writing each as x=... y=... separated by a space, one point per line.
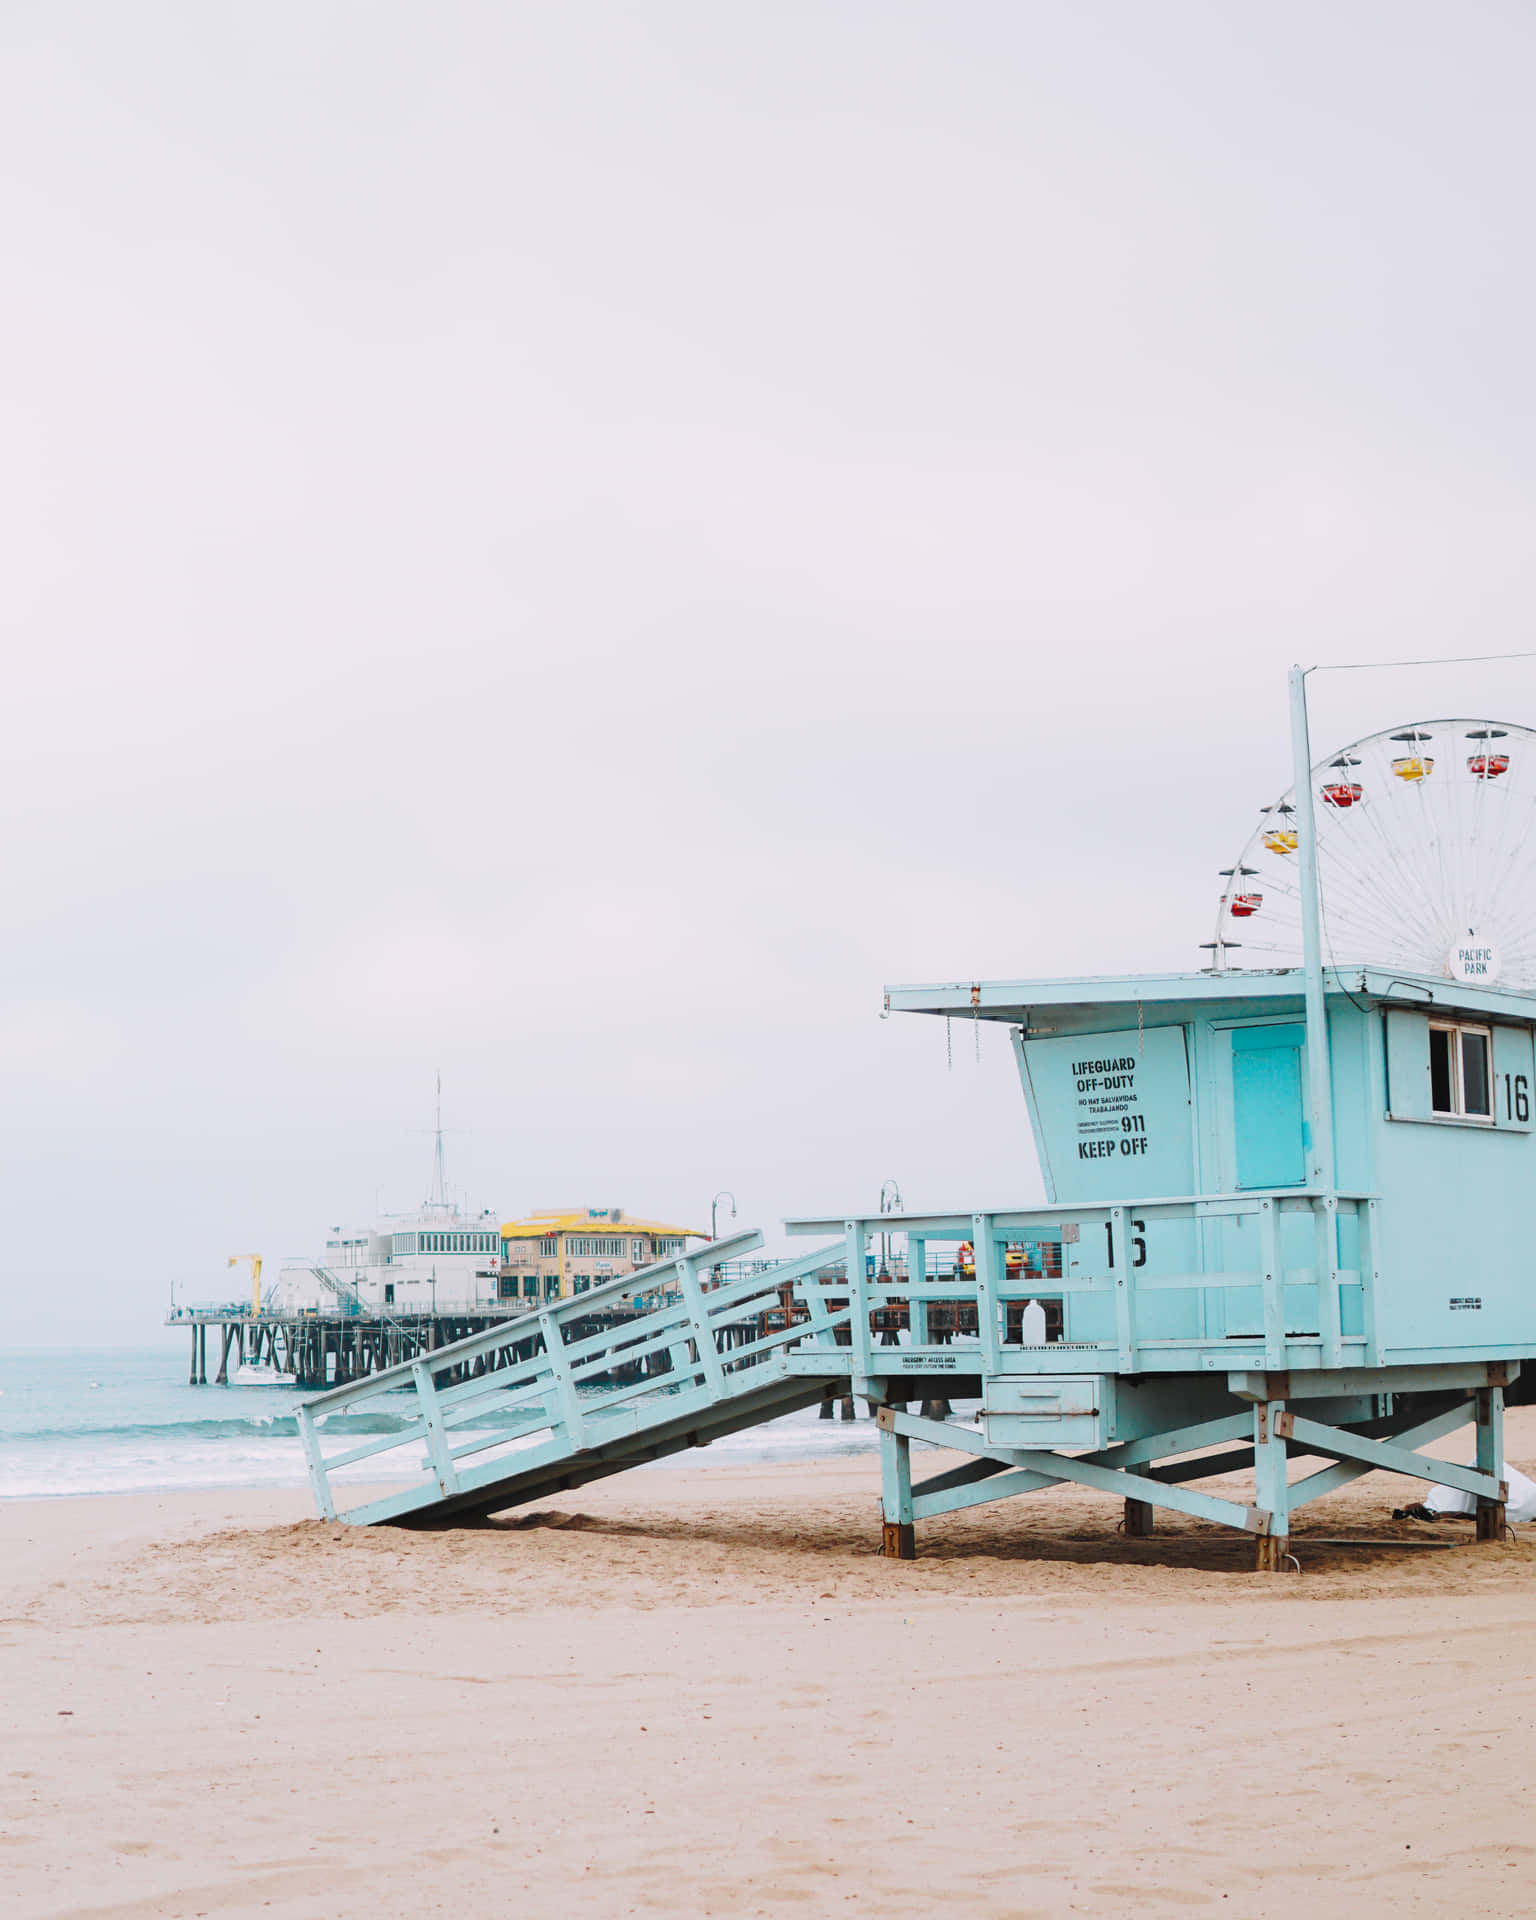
x=124 y=1420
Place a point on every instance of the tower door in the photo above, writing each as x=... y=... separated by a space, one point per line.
x=1268 y=1126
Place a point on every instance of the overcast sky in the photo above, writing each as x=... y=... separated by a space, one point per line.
x=571 y=544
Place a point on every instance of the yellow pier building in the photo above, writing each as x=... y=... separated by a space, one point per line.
x=550 y=1256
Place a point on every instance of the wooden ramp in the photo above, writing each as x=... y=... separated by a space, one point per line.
x=536 y=1405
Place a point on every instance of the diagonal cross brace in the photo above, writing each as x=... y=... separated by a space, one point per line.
x=982 y=1467
x=1329 y=1479
x=992 y=1481
x=1048 y=1468
x=1126 y=1453
x=986 y=1477
x=1390 y=1456
x=1138 y=1486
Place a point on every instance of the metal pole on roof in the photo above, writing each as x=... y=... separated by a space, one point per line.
x=1319 y=1075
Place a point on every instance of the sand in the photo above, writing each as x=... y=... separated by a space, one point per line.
x=700 y=1692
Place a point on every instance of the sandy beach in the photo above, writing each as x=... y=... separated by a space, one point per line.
x=701 y=1692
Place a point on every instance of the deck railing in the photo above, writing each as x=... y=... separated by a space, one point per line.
x=1123 y=1254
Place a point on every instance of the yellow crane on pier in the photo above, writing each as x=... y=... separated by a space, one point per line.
x=255 y=1260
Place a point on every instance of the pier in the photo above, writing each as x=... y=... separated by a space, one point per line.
x=321 y=1348
x=318 y=1349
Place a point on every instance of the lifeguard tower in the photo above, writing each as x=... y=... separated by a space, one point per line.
x=1287 y=1215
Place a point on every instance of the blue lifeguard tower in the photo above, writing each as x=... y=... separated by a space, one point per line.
x=1228 y=1274
x=1287 y=1217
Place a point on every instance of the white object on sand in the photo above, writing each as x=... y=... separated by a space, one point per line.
x=1521 y=1504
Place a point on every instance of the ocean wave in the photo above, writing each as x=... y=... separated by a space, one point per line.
x=283 y=1425
x=253 y=1427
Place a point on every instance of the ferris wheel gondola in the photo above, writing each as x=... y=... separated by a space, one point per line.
x=1426 y=853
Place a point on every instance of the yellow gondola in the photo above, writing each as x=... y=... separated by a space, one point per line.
x=1414 y=766
x=1281 y=839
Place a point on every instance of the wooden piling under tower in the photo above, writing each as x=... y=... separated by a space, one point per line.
x=1271 y=1429
x=1491 y=1523
x=1271 y=1553
x=1140 y=1519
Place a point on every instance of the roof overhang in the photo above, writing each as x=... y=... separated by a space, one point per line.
x=1173 y=995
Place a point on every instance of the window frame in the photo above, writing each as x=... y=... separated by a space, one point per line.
x=1458 y=1112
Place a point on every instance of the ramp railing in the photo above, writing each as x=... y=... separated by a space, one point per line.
x=536 y=1390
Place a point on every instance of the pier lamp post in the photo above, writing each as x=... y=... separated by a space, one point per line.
x=890 y=1202
x=723 y=1194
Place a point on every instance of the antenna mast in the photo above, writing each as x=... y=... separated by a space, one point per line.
x=439 y=1195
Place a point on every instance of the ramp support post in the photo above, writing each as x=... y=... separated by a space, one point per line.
x=1271 y=1487
x=564 y=1385
x=1490 y=1460
x=898 y=1538
x=435 y=1433
x=708 y=1362
x=319 y=1481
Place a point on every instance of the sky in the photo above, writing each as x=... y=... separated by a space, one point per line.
x=569 y=546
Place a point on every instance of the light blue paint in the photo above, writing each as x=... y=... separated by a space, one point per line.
x=1186 y=1249
x=1111 y=1110
x=1269 y=1038
x=1452 y=1243
x=1266 y=1106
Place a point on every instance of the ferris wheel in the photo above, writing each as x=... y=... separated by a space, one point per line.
x=1426 y=859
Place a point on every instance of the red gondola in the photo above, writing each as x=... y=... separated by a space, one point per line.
x=1488 y=766
x=1245 y=905
x=1344 y=793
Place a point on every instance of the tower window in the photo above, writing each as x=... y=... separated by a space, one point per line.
x=1461 y=1072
